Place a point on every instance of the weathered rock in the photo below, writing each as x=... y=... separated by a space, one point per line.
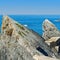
x=21 y=34
x=25 y=37
x=10 y=49
x=18 y=35
x=43 y=58
x=50 y=30
x=52 y=43
x=52 y=39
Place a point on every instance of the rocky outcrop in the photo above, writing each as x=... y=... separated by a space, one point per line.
x=20 y=43
x=20 y=33
x=25 y=37
x=44 y=58
x=10 y=49
x=50 y=30
x=52 y=42
x=50 y=34
x=52 y=39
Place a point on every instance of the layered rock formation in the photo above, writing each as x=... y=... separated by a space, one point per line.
x=24 y=36
x=50 y=30
x=51 y=34
x=10 y=49
x=52 y=42
x=19 y=43
x=44 y=58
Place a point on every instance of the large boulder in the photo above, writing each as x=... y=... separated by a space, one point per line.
x=25 y=37
x=10 y=49
x=21 y=34
x=17 y=42
x=49 y=30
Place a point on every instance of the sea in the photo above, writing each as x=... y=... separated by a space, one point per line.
x=35 y=22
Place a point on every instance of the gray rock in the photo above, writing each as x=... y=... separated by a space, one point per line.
x=10 y=49
x=25 y=37
x=50 y=30
x=16 y=39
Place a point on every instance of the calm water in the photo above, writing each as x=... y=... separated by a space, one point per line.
x=35 y=21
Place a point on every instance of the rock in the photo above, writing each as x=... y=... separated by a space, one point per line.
x=43 y=57
x=12 y=50
x=25 y=37
x=50 y=30
x=52 y=39
x=44 y=46
x=52 y=43
x=16 y=38
x=21 y=34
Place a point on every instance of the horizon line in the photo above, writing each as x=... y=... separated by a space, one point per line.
x=29 y=14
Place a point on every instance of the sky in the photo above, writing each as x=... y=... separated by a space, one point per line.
x=37 y=7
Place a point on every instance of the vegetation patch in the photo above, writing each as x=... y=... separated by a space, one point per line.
x=24 y=33
x=20 y=34
x=27 y=32
x=20 y=26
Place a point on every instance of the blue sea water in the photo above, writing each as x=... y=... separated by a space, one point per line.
x=34 y=22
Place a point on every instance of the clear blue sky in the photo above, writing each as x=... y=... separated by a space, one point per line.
x=30 y=7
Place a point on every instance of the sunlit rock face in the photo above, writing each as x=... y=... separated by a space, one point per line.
x=21 y=34
x=52 y=42
x=44 y=58
x=8 y=26
x=10 y=49
x=50 y=30
x=19 y=43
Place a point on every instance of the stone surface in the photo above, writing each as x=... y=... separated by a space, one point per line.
x=10 y=49
x=44 y=58
x=24 y=36
x=52 y=39
x=19 y=43
x=50 y=30
x=52 y=43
